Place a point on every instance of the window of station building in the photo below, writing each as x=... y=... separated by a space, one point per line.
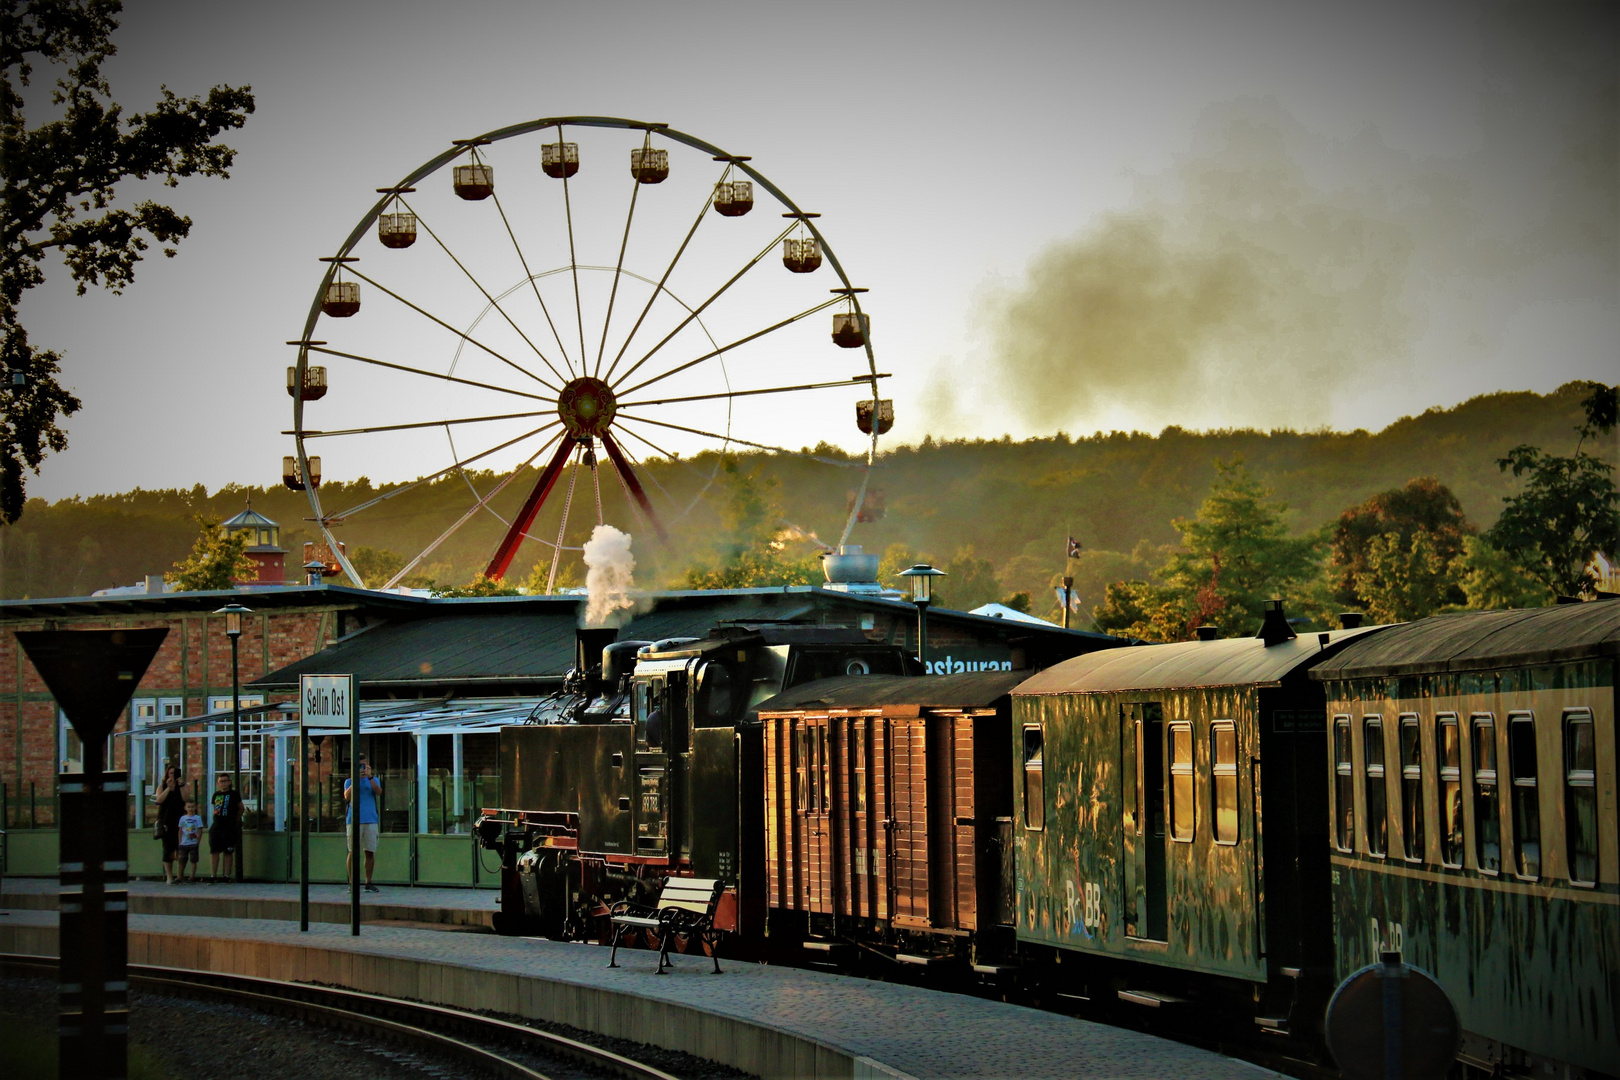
x=1487 y=822
x=1451 y=804
x=1181 y=783
x=1223 y=767
x=1376 y=794
x=1344 y=809
x=1580 y=797
x=1526 y=804
x=1411 y=789
x=1034 y=780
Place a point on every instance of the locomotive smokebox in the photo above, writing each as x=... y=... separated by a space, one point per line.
x=589 y=641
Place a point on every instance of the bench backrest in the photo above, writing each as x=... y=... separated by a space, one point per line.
x=690 y=894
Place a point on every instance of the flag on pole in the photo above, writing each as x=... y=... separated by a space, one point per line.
x=1074 y=548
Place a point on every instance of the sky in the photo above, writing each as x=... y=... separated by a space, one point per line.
x=1070 y=216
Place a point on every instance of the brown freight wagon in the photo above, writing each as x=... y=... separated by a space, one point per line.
x=888 y=810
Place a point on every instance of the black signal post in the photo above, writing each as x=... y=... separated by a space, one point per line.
x=91 y=674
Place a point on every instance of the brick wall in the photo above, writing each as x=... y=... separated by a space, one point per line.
x=194 y=663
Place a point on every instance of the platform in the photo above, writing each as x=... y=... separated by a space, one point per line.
x=770 y=1021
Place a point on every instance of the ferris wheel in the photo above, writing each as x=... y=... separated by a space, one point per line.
x=522 y=314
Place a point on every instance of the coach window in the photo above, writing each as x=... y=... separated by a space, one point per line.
x=1580 y=797
x=1411 y=790
x=1223 y=756
x=1372 y=752
x=1034 y=780
x=823 y=767
x=1344 y=810
x=1181 y=782
x=1451 y=806
x=1526 y=805
x=1487 y=823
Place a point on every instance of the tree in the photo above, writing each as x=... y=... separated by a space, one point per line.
x=1404 y=580
x=1235 y=554
x=752 y=553
x=478 y=586
x=62 y=181
x=1568 y=511
x=969 y=582
x=217 y=560
x=1423 y=507
x=1492 y=579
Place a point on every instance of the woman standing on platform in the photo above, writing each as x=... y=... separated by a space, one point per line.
x=171 y=804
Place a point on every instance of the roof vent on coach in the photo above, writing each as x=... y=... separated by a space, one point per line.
x=1275 y=629
x=1207 y=633
x=1351 y=620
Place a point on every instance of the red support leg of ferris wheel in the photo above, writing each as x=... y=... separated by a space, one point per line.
x=630 y=481
x=531 y=506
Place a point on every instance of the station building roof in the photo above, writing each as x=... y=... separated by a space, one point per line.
x=1482 y=640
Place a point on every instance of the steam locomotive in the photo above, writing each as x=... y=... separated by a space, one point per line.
x=1218 y=829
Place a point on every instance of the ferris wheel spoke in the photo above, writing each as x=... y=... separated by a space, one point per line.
x=469 y=339
x=655 y=447
x=529 y=276
x=448 y=469
x=618 y=267
x=479 y=504
x=562 y=529
x=496 y=304
x=695 y=312
x=573 y=259
x=627 y=477
x=308 y=434
x=750 y=393
x=428 y=374
x=734 y=439
x=703 y=213
x=755 y=336
x=519 y=527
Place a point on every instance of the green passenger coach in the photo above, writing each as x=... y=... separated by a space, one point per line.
x=1169 y=824
x=1472 y=825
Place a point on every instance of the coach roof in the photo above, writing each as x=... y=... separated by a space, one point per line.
x=1481 y=640
x=1245 y=661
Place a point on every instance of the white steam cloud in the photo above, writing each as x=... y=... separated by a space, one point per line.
x=609 y=575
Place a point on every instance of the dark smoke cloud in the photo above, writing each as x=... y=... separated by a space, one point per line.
x=1271 y=269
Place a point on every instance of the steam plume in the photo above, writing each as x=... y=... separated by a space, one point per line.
x=609 y=567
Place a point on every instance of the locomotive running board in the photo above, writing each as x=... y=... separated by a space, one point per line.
x=1150 y=998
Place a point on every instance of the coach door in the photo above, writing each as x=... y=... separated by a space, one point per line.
x=812 y=751
x=1142 y=751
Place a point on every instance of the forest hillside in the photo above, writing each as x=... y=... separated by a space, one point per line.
x=1010 y=505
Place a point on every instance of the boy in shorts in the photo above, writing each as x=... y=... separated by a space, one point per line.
x=191 y=825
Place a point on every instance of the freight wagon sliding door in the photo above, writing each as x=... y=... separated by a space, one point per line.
x=908 y=793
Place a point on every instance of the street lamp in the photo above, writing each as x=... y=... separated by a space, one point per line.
x=233 y=629
x=922 y=589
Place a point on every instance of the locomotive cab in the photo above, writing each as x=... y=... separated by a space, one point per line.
x=632 y=776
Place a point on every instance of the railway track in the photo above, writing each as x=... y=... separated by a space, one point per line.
x=484 y=1045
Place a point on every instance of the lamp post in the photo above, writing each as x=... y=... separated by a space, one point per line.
x=922 y=589
x=233 y=629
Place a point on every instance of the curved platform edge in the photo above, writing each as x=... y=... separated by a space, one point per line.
x=755 y=1048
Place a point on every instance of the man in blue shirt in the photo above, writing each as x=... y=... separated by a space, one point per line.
x=370 y=797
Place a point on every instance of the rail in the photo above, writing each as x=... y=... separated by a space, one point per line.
x=462 y=1036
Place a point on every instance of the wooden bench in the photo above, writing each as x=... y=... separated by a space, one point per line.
x=685 y=908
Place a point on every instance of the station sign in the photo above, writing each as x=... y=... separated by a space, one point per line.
x=326 y=701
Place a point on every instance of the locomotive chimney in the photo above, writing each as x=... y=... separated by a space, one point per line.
x=1275 y=629
x=589 y=641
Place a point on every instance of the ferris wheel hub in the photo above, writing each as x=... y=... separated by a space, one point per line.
x=587 y=407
